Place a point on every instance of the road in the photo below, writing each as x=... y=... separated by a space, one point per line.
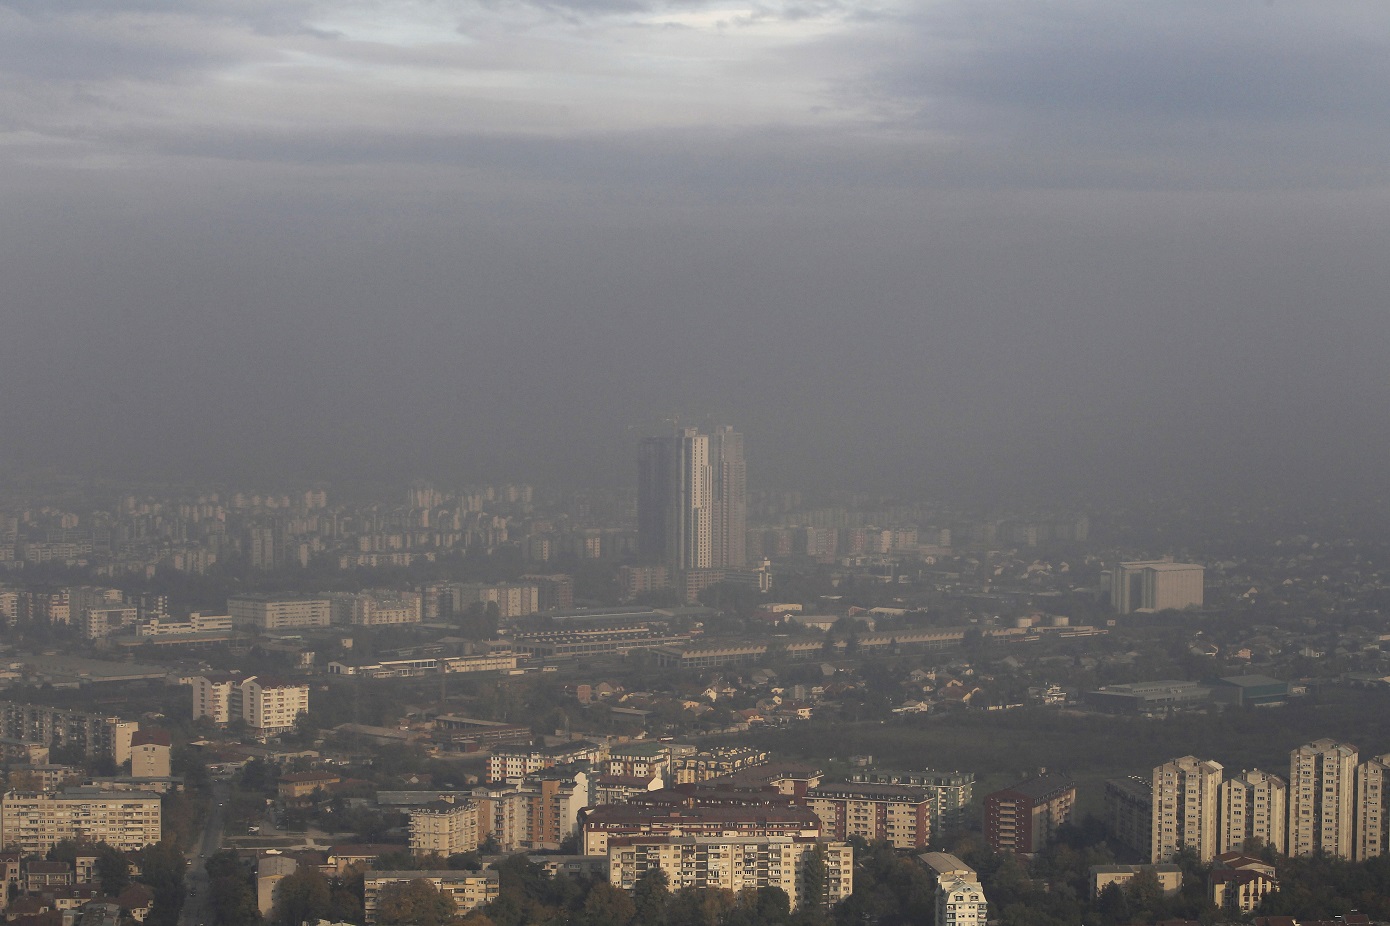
x=197 y=908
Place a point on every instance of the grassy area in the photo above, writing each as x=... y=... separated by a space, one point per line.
x=1003 y=747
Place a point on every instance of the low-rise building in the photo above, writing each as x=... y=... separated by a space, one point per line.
x=1237 y=883
x=1169 y=876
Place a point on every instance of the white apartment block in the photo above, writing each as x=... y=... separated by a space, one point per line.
x=264 y=612
x=212 y=697
x=375 y=608
x=445 y=827
x=272 y=705
x=1254 y=805
x=197 y=623
x=960 y=901
x=1372 y=797
x=734 y=863
x=1186 y=795
x=267 y=705
x=33 y=822
x=1322 y=786
x=513 y=763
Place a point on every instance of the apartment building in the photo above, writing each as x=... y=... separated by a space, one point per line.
x=961 y=901
x=714 y=763
x=514 y=763
x=94 y=734
x=951 y=792
x=468 y=889
x=1254 y=805
x=213 y=697
x=270 y=612
x=1023 y=819
x=611 y=821
x=897 y=814
x=1322 y=793
x=1372 y=798
x=150 y=754
x=273 y=705
x=1186 y=808
x=268 y=705
x=33 y=822
x=734 y=864
x=376 y=608
x=1128 y=804
x=445 y=827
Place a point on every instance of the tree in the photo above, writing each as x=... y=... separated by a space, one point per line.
x=607 y=905
x=414 y=903
x=651 y=897
x=113 y=870
x=301 y=897
x=1113 y=905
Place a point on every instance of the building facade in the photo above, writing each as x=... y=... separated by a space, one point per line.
x=1186 y=806
x=1156 y=586
x=1322 y=793
x=1254 y=806
x=1024 y=819
x=735 y=864
x=445 y=827
x=897 y=814
x=33 y=822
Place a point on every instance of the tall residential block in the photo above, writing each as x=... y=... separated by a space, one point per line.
x=1372 y=804
x=1155 y=586
x=1322 y=794
x=1254 y=805
x=1129 y=813
x=1186 y=795
x=1024 y=819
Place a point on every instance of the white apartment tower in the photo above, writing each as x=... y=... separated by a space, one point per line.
x=1254 y=805
x=1372 y=819
x=1322 y=786
x=1186 y=795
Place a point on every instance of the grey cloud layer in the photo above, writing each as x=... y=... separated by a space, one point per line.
x=966 y=236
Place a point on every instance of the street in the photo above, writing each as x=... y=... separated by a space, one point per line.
x=196 y=905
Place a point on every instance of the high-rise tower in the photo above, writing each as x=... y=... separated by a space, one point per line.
x=1186 y=793
x=730 y=523
x=692 y=499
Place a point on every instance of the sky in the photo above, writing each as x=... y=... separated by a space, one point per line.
x=983 y=246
